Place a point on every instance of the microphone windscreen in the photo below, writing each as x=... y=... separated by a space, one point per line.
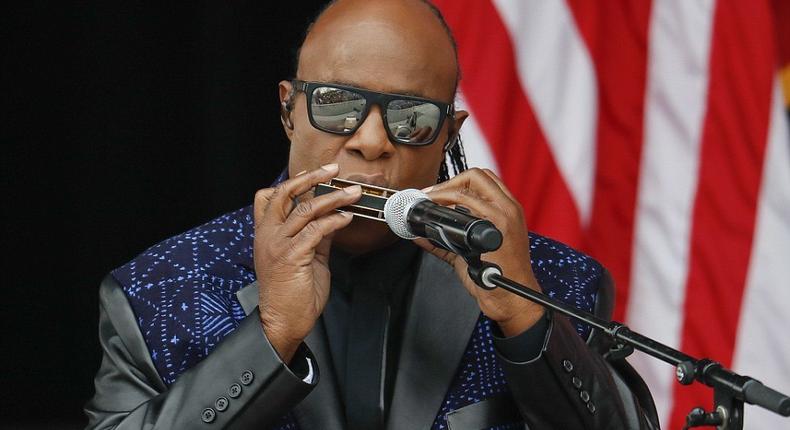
x=396 y=211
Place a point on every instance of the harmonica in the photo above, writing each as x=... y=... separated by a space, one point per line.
x=370 y=205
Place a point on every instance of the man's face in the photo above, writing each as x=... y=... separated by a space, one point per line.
x=394 y=47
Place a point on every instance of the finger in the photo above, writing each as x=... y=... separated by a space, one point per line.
x=324 y=247
x=264 y=196
x=472 y=181
x=309 y=209
x=499 y=182
x=514 y=205
x=281 y=201
x=260 y=203
x=447 y=256
x=315 y=231
x=462 y=197
x=450 y=258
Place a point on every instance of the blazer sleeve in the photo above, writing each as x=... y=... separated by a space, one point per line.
x=243 y=383
x=568 y=384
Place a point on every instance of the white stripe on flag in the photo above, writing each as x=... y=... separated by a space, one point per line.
x=678 y=56
x=762 y=349
x=478 y=153
x=558 y=77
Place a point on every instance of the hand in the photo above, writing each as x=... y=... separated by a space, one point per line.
x=484 y=194
x=291 y=253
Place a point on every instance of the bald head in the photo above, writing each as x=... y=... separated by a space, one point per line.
x=385 y=46
x=400 y=46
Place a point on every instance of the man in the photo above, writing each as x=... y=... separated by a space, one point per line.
x=295 y=315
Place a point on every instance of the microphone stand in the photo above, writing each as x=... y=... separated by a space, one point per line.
x=730 y=390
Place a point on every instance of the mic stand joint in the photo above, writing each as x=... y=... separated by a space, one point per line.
x=480 y=271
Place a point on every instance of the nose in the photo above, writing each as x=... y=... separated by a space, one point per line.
x=370 y=141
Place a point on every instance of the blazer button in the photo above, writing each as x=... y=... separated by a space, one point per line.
x=567 y=365
x=234 y=390
x=247 y=377
x=591 y=407
x=221 y=404
x=208 y=415
x=585 y=396
x=577 y=382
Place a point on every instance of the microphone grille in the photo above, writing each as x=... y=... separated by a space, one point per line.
x=397 y=208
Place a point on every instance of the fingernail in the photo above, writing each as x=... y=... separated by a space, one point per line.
x=427 y=189
x=300 y=173
x=354 y=189
x=330 y=167
x=347 y=214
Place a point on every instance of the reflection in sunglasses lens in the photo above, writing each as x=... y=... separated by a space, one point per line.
x=412 y=121
x=337 y=110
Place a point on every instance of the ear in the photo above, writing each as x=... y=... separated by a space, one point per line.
x=455 y=127
x=458 y=121
x=286 y=107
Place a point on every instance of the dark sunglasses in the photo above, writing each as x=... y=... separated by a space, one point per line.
x=339 y=109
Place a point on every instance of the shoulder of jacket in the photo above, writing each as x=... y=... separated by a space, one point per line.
x=218 y=251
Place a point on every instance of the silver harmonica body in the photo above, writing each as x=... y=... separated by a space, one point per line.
x=370 y=205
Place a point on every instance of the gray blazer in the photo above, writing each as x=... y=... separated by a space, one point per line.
x=259 y=389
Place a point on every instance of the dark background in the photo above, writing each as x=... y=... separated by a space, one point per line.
x=122 y=124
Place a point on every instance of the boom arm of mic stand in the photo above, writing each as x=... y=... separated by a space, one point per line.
x=730 y=389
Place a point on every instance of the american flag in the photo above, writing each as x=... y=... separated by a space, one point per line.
x=652 y=135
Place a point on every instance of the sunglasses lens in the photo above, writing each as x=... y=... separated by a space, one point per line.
x=337 y=110
x=413 y=122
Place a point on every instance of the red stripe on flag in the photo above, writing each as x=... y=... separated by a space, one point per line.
x=733 y=147
x=491 y=86
x=616 y=34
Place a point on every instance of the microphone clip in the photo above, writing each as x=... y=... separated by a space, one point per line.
x=482 y=271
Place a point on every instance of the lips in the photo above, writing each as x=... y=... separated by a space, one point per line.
x=375 y=179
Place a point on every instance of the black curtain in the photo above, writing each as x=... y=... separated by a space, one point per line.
x=122 y=124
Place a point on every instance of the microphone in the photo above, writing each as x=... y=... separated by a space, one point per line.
x=411 y=214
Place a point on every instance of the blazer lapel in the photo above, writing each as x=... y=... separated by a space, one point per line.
x=440 y=320
x=321 y=409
